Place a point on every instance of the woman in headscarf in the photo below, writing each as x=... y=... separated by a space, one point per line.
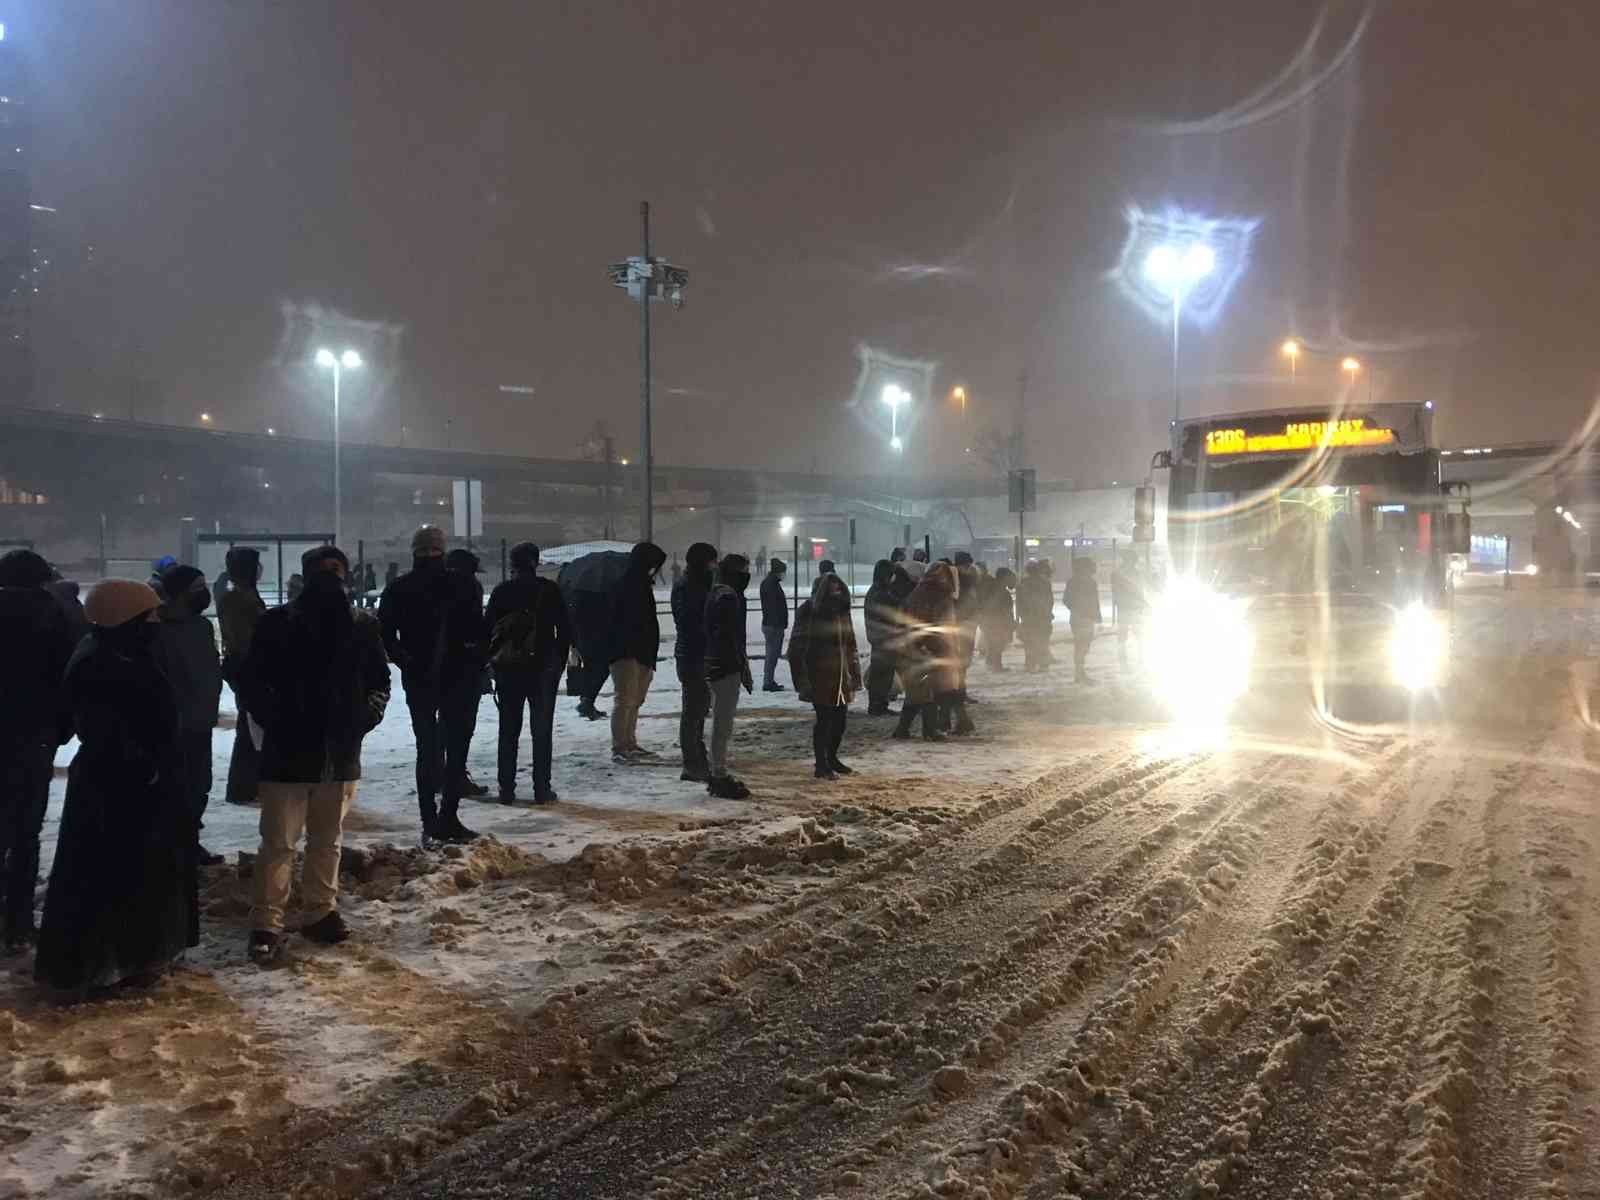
x=930 y=664
x=122 y=902
x=826 y=668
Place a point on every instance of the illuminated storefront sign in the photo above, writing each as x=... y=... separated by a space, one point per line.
x=1298 y=436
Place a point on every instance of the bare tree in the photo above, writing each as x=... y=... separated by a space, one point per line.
x=1001 y=452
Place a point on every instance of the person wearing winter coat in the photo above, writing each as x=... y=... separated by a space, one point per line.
x=238 y=610
x=968 y=606
x=727 y=668
x=882 y=610
x=465 y=562
x=689 y=596
x=930 y=670
x=186 y=650
x=635 y=648
x=35 y=645
x=1035 y=616
x=774 y=622
x=998 y=619
x=1131 y=600
x=1081 y=596
x=826 y=668
x=528 y=637
x=432 y=622
x=316 y=681
x=123 y=899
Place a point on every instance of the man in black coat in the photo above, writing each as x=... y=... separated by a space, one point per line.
x=239 y=610
x=186 y=650
x=465 y=562
x=727 y=668
x=432 y=624
x=882 y=611
x=689 y=596
x=35 y=644
x=635 y=646
x=774 y=622
x=526 y=630
x=316 y=682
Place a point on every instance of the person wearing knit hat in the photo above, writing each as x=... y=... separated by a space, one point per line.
x=432 y=621
x=123 y=901
x=35 y=645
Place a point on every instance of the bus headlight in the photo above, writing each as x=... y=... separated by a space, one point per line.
x=1419 y=649
x=1200 y=647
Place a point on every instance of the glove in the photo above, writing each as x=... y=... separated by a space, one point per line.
x=377 y=705
x=748 y=681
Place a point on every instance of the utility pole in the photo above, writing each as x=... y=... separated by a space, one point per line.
x=646 y=279
x=646 y=449
x=1019 y=427
x=610 y=456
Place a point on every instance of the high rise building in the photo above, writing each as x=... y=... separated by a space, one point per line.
x=18 y=283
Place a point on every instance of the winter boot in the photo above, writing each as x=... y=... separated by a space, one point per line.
x=825 y=771
x=265 y=947
x=902 y=729
x=545 y=796
x=840 y=769
x=328 y=929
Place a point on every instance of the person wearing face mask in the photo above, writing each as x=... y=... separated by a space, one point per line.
x=689 y=596
x=826 y=668
x=186 y=650
x=316 y=681
x=122 y=902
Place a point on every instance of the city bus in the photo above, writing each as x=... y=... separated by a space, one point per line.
x=1305 y=547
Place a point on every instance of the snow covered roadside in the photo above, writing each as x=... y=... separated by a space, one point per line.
x=628 y=871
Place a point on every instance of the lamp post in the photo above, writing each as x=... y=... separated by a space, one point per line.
x=1173 y=270
x=1291 y=351
x=645 y=279
x=347 y=361
x=1352 y=368
x=894 y=396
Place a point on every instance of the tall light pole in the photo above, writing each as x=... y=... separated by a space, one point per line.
x=1352 y=368
x=1291 y=351
x=1173 y=270
x=646 y=279
x=894 y=396
x=348 y=361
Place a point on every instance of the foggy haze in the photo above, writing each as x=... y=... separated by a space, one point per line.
x=945 y=184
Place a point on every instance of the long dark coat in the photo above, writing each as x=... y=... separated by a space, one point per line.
x=123 y=896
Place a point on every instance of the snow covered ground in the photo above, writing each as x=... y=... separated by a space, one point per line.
x=1082 y=954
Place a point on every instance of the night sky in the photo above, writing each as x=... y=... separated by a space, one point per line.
x=940 y=181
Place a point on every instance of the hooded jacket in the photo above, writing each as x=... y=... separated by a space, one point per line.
x=932 y=668
x=998 y=617
x=35 y=644
x=823 y=660
x=725 y=622
x=186 y=652
x=635 y=629
x=1081 y=596
x=774 y=603
x=882 y=607
x=1035 y=605
x=432 y=621
x=526 y=593
x=689 y=596
x=317 y=688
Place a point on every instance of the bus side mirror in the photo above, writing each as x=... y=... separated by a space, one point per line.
x=1458 y=533
x=1144 y=514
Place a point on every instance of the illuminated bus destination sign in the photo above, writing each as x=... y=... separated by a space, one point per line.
x=1299 y=435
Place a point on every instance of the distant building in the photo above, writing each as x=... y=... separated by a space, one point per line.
x=18 y=268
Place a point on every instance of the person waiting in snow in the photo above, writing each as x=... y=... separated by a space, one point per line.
x=123 y=899
x=882 y=611
x=35 y=644
x=528 y=641
x=1081 y=596
x=826 y=668
x=689 y=596
x=727 y=668
x=634 y=649
x=998 y=618
x=186 y=649
x=316 y=680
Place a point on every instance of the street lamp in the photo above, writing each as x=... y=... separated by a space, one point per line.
x=894 y=396
x=645 y=279
x=1173 y=271
x=347 y=361
x=785 y=524
x=1291 y=351
x=205 y=418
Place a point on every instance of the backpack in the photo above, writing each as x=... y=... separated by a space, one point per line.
x=513 y=641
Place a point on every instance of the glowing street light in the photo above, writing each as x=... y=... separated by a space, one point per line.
x=1351 y=365
x=205 y=418
x=1173 y=271
x=347 y=361
x=959 y=395
x=786 y=525
x=1291 y=351
x=894 y=396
